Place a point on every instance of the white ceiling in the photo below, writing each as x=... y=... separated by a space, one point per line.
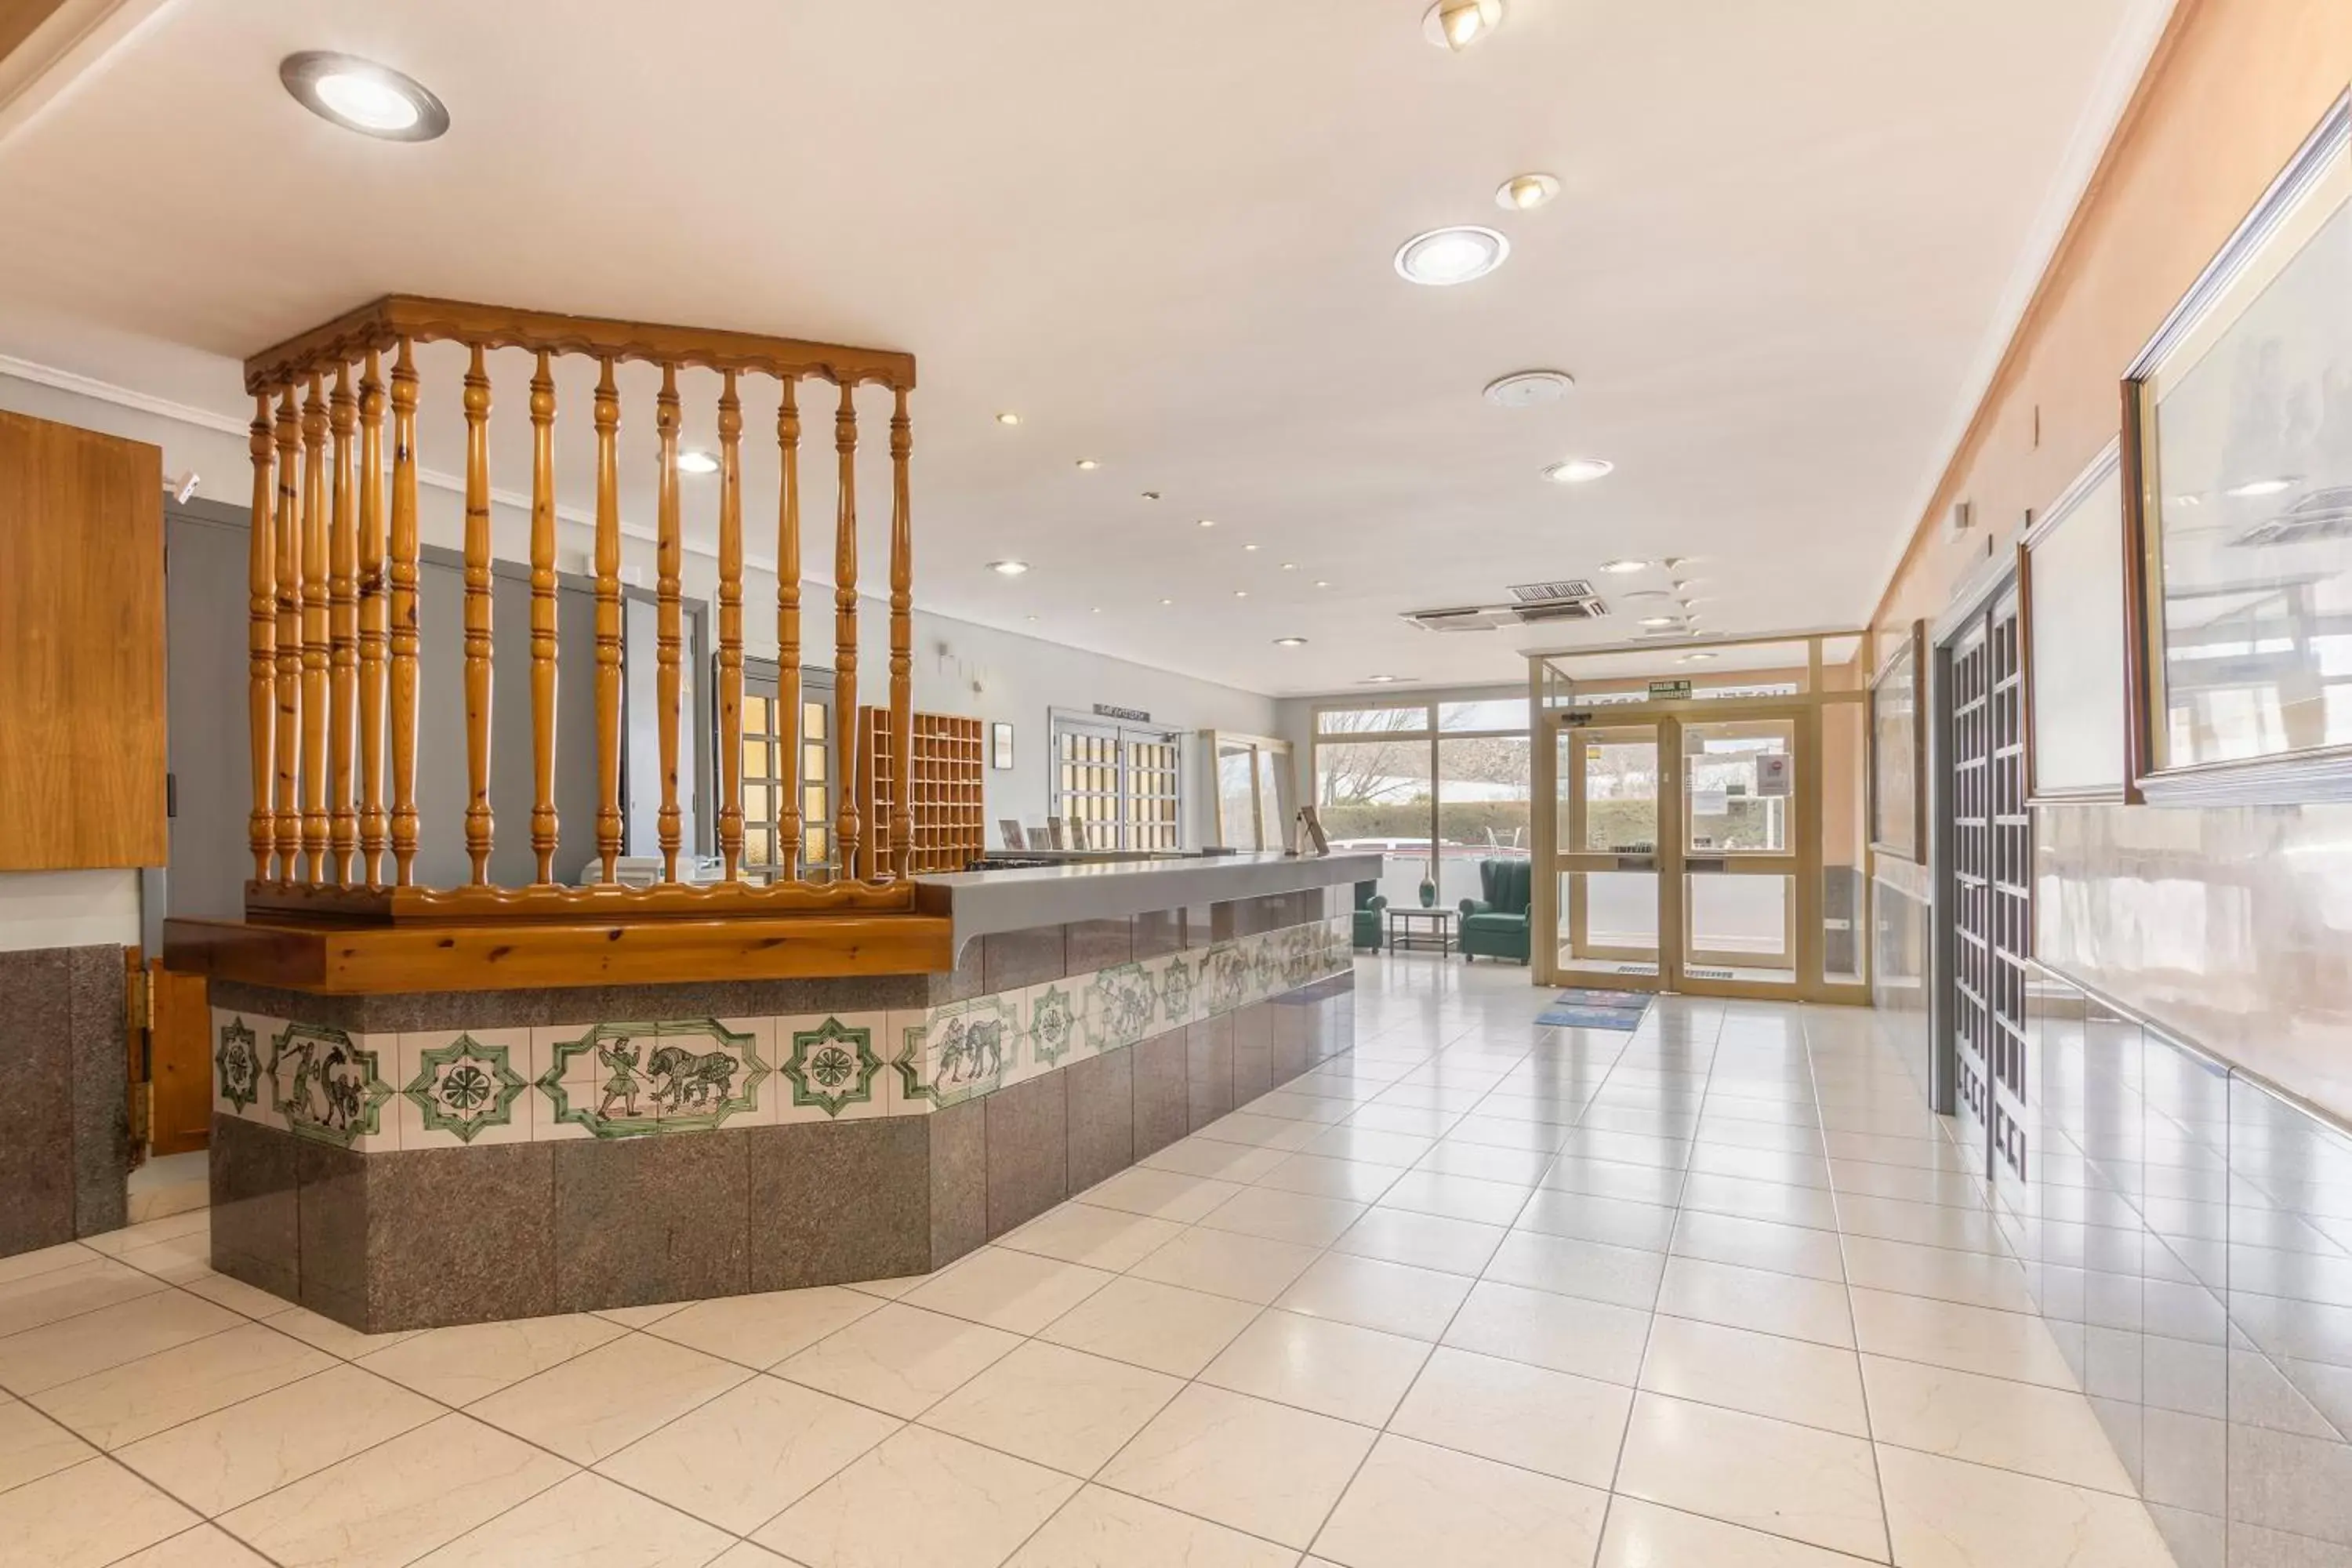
x=1789 y=236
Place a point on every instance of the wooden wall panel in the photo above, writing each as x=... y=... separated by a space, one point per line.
x=81 y=648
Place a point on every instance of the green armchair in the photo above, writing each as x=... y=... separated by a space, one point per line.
x=1370 y=902
x=1497 y=925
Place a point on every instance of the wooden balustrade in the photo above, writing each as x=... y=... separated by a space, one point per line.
x=336 y=633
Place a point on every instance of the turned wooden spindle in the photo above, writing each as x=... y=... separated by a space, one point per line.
x=902 y=643
x=342 y=634
x=373 y=630
x=608 y=620
x=404 y=618
x=667 y=629
x=287 y=814
x=542 y=620
x=731 y=628
x=314 y=632
x=478 y=619
x=787 y=634
x=261 y=639
x=845 y=823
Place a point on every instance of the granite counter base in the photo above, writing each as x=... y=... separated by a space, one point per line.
x=426 y=1236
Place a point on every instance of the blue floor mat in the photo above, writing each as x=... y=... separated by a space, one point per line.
x=1581 y=1008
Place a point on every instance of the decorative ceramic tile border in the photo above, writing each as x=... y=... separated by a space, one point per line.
x=454 y=1088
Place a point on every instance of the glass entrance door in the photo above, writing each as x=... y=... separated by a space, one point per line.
x=1686 y=851
x=1739 y=862
x=1611 y=787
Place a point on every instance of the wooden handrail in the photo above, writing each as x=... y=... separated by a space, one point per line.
x=382 y=323
x=334 y=632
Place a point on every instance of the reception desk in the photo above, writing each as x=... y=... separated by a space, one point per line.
x=400 y=1160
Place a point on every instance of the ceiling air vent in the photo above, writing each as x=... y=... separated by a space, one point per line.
x=1544 y=593
x=1471 y=618
x=2323 y=514
x=1586 y=609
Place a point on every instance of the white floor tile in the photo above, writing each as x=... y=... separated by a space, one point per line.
x=922 y=1498
x=1261 y=1468
x=1799 y=1481
x=1332 y=1368
x=1562 y=1424
x=1413 y=1505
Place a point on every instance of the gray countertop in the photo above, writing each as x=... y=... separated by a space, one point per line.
x=982 y=903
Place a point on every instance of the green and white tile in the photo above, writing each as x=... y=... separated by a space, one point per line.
x=240 y=1053
x=1122 y=1005
x=465 y=1088
x=832 y=1067
x=957 y=1052
x=1180 y=992
x=642 y=1080
x=1054 y=1026
x=1226 y=979
x=332 y=1086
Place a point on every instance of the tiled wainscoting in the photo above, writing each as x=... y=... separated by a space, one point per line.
x=396 y=1163
x=2187 y=1235
x=65 y=1139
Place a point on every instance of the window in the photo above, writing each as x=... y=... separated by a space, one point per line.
x=1254 y=791
x=766 y=782
x=1436 y=787
x=1116 y=785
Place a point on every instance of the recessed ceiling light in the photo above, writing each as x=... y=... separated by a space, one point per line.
x=1008 y=417
x=1443 y=257
x=1525 y=193
x=1088 y=464
x=1695 y=659
x=1240 y=593
x=1029 y=617
x=1457 y=24
x=1625 y=564
x=1662 y=620
x=1321 y=582
x=1094 y=610
x=1577 y=471
x=1249 y=547
x=696 y=462
x=1379 y=681
x=1527 y=388
x=1166 y=600
x=362 y=96
x=1290 y=566
x=1151 y=494
x=1290 y=642
x=1008 y=568
x=2262 y=487
x=1208 y=522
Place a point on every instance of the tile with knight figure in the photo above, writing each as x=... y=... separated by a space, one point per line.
x=241 y=1065
x=1055 y=1031
x=465 y=1088
x=948 y=1055
x=830 y=1066
x=1181 y=996
x=641 y=1080
x=1122 y=1003
x=1224 y=979
x=331 y=1085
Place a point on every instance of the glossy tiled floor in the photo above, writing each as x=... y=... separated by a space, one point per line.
x=1716 y=1293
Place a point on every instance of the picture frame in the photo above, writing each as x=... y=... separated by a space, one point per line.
x=1000 y=745
x=2073 y=630
x=1899 y=749
x=1011 y=830
x=2238 y=508
x=1310 y=825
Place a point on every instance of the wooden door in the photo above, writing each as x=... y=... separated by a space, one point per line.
x=179 y=1063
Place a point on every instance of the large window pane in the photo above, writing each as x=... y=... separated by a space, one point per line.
x=1482 y=803
x=1376 y=796
x=1236 y=799
x=1486 y=713
x=1372 y=721
x=1620 y=793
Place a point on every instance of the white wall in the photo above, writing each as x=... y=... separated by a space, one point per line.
x=958 y=666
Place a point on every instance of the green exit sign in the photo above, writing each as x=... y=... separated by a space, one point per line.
x=1669 y=690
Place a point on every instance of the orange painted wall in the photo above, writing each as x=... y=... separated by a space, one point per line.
x=2234 y=87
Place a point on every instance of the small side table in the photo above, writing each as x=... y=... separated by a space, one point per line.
x=1418 y=929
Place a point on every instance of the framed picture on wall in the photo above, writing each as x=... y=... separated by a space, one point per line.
x=2237 y=455
x=2070 y=584
x=1000 y=745
x=1898 y=752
